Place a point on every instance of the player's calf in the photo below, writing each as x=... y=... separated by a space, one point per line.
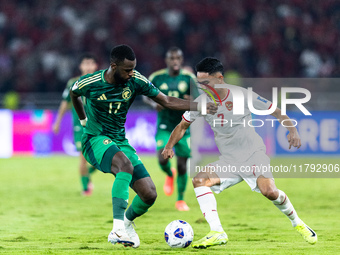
x=146 y=190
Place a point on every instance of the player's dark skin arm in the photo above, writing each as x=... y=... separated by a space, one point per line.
x=78 y=105
x=174 y=103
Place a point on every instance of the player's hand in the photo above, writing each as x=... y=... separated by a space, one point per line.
x=55 y=129
x=159 y=108
x=294 y=139
x=168 y=153
x=211 y=108
x=188 y=97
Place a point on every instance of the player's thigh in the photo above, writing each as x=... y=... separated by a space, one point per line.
x=139 y=170
x=182 y=148
x=258 y=165
x=162 y=137
x=225 y=173
x=99 y=151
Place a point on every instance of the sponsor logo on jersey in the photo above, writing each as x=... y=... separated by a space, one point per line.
x=182 y=86
x=107 y=141
x=102 y=97
x=262 y=99
x=229 y=105
x=126 y=94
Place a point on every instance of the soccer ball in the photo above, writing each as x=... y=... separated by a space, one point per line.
x=178 y=234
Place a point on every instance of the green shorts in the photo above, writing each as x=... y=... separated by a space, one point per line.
x=182 y=148
x=77 y=134
x=99 y=151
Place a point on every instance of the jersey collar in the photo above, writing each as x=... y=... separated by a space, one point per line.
x=102 y=76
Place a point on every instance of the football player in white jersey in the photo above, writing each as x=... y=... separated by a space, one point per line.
x=243 y=154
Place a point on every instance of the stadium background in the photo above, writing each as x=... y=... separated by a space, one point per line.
x=41 y=211
x=41 y=41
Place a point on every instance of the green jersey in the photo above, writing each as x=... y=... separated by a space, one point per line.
x=106 y=105
x=66 y=97
x=175 y=86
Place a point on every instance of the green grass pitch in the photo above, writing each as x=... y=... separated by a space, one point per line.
x=42 y=212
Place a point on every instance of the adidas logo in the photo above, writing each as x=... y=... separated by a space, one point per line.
x=102 y=97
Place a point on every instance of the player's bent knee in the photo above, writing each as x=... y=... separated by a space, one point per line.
x=149 y=197
x=199 y=181
x=270 y=193
x=162 y=161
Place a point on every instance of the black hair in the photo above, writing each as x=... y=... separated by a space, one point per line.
x=87 y=55
x=210 y=65
x=121 y=52
x=173 y=49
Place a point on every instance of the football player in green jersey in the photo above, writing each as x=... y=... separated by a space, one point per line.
x=108 y=95
x=173 y=81
x=87 y=64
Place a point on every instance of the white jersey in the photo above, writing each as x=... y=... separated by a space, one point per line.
x=235 y=135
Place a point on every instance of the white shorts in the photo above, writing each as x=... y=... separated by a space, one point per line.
x=233 y=173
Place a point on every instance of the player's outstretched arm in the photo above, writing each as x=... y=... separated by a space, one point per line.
x=293 y=135
x=175 y=136
x=79 y=107
x=175 y=103
x=152 y=103
x=64 y=106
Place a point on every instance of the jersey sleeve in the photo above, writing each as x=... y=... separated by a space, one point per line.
x=145 y=87
x=190 y=116
x=150 y=90
x=152 y=79
x=260 y=103
x=79 y=90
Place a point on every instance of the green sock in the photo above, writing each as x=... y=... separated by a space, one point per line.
x=137 y=208
x=181 y=185
x=91 y=169
x=85 y=181
x=120 y=194
x=167 y=168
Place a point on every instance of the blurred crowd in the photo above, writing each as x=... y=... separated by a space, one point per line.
x=41 y=40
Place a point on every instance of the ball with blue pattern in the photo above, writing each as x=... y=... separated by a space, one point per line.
x=178 y=234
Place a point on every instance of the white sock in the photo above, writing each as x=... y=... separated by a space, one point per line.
x=285 y=206
x=208 y=205
x=118 y=225
x=126 y=220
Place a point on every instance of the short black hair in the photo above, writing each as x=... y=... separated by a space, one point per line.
x=210 y=65
x=87 y=55
x=173 y=49
x=121 y=52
